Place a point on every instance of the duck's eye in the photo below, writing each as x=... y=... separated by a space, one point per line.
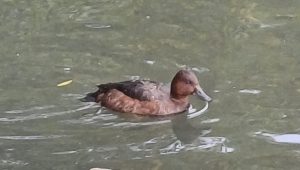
x=189 y=82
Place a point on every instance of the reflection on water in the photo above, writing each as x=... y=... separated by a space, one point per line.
x=191 y=138
x=280 y=138
x=184 y=138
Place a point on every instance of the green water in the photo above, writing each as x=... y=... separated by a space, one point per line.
x=245 y=53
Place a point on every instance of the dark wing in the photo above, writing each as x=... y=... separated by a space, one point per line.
x=138 y=89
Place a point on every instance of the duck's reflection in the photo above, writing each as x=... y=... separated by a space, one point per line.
x=186 y=136
x=185 y=132
x=189 y=137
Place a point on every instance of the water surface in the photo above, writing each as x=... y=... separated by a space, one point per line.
x=245 y=54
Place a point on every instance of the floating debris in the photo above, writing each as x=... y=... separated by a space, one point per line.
x=250 y=91
x=67 y=69
x=200 y=69
x=225 y=149
x=181 y=65
x=64 y=153
x=151 y=62
x=271 y=25
x=97 y=26
x=287 y=16
x=287 y=138
x=64 y=83
x=211 y=120
x=281 y=138
x=133 y=77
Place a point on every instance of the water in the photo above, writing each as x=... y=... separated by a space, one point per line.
x=245 y=54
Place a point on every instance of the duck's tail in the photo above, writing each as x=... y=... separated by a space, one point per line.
x=102 y=88
x=95 y=96
x=90 y=97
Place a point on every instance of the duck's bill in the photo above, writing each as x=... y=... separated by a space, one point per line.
x=203 y=96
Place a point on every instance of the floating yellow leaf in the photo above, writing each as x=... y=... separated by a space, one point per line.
x=64 y=83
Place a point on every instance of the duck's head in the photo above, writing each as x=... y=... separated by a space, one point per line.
x=186 y=83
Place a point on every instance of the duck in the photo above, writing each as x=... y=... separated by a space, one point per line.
x=147 y=97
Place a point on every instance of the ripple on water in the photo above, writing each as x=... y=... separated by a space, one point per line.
x=31 y=137
x=160 y=145
x=29 y=110
x=169 y=144
x=26 y=114
x=200 y=144
x=165 y=144
x=12 y=163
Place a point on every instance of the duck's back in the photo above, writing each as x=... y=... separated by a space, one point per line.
x=143 y=90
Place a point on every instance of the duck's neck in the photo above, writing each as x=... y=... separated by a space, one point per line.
x=179 y=99
x=173 y=91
